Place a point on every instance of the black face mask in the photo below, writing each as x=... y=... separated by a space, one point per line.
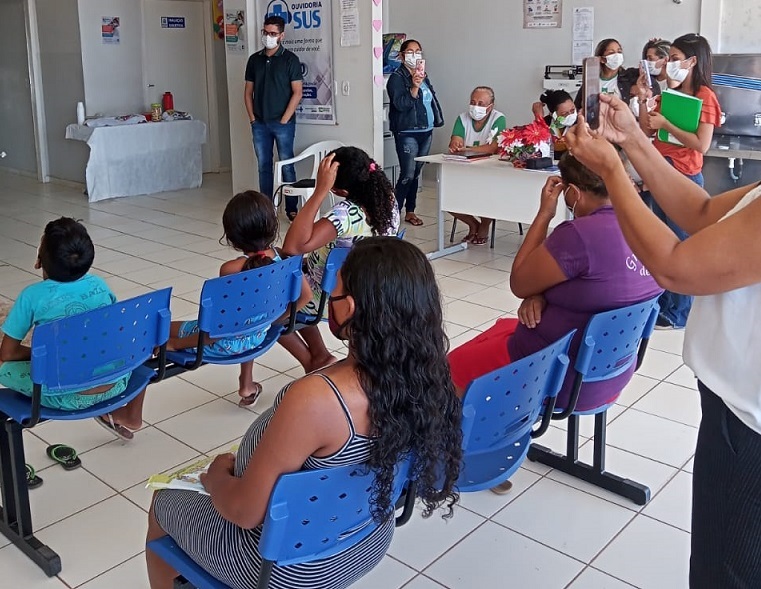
x=335 y=327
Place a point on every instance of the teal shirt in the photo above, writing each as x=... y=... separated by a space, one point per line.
x=427 y=97
x=49 y=300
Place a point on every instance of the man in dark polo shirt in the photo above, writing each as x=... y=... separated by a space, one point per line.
x=273 y=92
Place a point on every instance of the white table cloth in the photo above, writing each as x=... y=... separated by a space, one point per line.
x=488 y=188
x=141 y=159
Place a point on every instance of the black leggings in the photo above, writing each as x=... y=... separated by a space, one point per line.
x=726 y=501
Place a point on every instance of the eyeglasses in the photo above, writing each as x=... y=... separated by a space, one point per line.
x=338 y=298
x=270 y=34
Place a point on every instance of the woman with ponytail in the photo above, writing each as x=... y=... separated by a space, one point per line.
x=368 y=209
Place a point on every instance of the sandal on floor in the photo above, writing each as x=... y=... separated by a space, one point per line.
x=118 y=430
x=468 y=237
x=414 y=220
x=33 y=480
x=502 y=488
x=250 y=400
x=479 y=240
x=64 y=455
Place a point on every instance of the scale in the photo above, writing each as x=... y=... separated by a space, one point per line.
x=562 y=77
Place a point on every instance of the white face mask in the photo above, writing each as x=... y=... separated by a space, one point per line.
x=567 y=121
x=634 y=105
x=675 y=72
x=410 y=59
x=477 y=113
x=270 y=42
x=652 y=70
x=614 y=61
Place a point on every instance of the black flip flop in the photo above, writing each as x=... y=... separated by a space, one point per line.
x=33 y=480
x=64 y=455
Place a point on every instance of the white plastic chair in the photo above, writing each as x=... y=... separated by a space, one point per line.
x=317 y=151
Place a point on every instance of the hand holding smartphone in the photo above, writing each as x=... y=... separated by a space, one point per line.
x=645 y=71
x=592 y=91
x=420 y=67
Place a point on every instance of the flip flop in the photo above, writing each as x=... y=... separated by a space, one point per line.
x=479 y=240
x=118 y=430
x=64 y=455
x=468 y=237
x=32 y=479
x=250 y=400
x=416 y=221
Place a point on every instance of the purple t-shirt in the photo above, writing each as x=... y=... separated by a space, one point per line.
x=602 y=274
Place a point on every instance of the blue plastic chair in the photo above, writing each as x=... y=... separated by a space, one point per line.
x=82 y=351
x=336 y=258
x=241 y=303
x=312 y=515
x=612 y=342
x=500 y=410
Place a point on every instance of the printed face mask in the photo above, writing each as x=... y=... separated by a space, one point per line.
x=477 y=113
x=569 y=120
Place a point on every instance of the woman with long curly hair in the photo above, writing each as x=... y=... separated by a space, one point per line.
x=367 y=208
x=392 y=395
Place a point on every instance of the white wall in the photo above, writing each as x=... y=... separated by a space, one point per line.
x=61 y=64
x=359 y=115
x=113 y=74
x=16 y=123
x=223 y=106
x=486 y=44
x=740 y=26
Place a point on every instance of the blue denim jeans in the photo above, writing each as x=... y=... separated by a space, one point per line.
x=266 y=134
x=675 y=308
x=408 y=147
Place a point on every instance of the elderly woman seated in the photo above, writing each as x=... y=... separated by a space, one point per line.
x=582 y=268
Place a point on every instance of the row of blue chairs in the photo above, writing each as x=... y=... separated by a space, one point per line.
x=501 y=411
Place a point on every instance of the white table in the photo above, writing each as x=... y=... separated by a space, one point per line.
x=141 y=159
x=487 y=188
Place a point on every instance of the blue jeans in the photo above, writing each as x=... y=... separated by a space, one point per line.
x=266 y=134
x=408 y=147
x=675 y=308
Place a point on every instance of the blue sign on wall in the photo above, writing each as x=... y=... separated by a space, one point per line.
x=172 y=22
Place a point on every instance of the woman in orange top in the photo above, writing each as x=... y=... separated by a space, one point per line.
x=689 y=71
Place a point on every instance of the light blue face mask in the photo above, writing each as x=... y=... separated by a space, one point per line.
x=572 y=209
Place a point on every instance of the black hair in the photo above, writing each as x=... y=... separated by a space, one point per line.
x=397 y=338
x=554 y=98
x=661 y=47
x=258 y=260
x=572 y=171
x=603 y=45
x=278 y=21
x=250 y=222
x=697 y=46
x=66 y=250
x=407 y=43
x=367 y=185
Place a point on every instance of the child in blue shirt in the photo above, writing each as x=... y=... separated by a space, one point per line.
x=65 y=255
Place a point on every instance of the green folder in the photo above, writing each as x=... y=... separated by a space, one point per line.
x=682 y=111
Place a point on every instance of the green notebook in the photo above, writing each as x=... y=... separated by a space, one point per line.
x=682 y=111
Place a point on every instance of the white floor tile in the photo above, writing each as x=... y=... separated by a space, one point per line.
x=389 y=574
x=132 y=574
x=468 y=314
x=673 y=504
x=222 y=379
x=172 y=397
x=649 y=555
x=585 y=527
x=97 y=539
x=511 y=556
x=82 y=435
x=659 y=364
x=484 y=276
x=635 y=390
x=495 y=297
x=684 y=376
x=594 y=579
x=422 y=582
x=456 y=288
x=486 y=503
x=672 y=402
x=16 y=570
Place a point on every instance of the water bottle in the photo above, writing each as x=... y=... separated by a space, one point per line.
x=80 y=113
x=167 y=102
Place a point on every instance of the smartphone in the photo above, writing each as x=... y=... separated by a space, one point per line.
x=420 y=67
x=592 y=91
x=644 y=68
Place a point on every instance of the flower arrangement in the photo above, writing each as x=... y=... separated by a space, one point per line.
x=524 y=142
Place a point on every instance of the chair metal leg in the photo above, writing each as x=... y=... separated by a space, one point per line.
x=493 y=232
x=520 y=228
x=593 y=474
x=409 y=504
x=454 y=228
x=264 y=574
x=16 y=522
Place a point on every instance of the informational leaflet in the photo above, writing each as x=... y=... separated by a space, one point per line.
x=583 y=33
x=109 y=30
x=235 y=31
x=542 y=14
x=349 y=23
x=309 y=34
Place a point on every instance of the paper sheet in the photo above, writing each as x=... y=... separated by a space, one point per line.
x=584 y=23
x=349 y=23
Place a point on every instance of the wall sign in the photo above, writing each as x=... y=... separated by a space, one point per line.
x=172 y=22
x=109 y=30
x=542 y=14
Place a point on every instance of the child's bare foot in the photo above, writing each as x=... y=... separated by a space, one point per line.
x=249 y=393
x=322 y=362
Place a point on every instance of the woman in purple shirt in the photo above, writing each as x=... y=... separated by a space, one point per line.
x=582 y=268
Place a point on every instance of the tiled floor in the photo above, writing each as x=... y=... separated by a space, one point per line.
x=551 y=532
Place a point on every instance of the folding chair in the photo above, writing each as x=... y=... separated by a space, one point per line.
x=82 y=351
x=242 y=303
x=312 y=515
x=500 y=410
x=611 y=343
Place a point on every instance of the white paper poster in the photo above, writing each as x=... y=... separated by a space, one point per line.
x=109 y=30
x=309 y=34
x=542 y=14
x=349 y=23
x=581 y=49
x=584 y=24
x=235 y=31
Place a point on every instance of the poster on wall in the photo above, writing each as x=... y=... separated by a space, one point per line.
x=218 y=14
x=349 y=23
x=309 y=34
x=583 y=33
x=109 y=30
x=542 y=14
x=235 y=31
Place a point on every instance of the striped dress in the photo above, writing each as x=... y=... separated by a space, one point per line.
x=231 y=553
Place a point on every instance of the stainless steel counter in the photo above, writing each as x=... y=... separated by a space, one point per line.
x=727 y=146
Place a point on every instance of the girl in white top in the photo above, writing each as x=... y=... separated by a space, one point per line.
x=720 y=263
